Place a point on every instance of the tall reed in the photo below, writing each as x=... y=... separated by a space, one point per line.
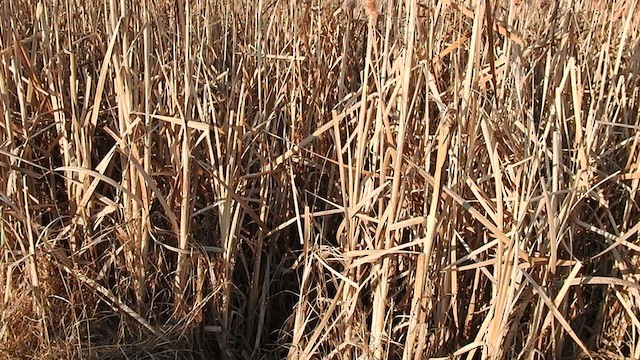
x=319 y=179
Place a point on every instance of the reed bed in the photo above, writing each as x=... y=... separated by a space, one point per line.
x=319 y=179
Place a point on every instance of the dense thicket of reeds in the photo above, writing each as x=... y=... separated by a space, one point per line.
x=269 y=179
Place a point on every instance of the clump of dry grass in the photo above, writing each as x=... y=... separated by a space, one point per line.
x=268 y=179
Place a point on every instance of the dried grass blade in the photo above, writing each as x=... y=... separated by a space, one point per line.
x=109 y=296
x=556 y=313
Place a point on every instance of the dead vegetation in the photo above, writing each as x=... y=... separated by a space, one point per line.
x=270 y=179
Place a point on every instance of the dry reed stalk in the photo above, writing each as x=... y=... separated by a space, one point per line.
x=261 y=179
